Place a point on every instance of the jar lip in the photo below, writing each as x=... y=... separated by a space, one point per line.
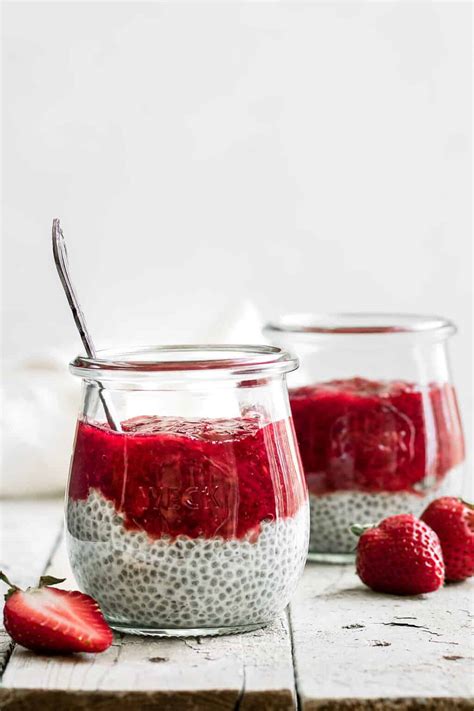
x=361 y=323
x=236 y=359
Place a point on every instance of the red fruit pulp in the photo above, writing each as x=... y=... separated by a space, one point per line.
x=171 y=476
x=375 y=436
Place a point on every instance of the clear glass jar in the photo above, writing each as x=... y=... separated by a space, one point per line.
x=191 y=516
x=376 y=418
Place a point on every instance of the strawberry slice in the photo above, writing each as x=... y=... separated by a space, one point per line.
x=47 y=619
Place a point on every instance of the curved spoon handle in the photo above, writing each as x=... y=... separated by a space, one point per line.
x=62 y=265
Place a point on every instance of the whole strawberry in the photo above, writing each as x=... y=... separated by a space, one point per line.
x=401 y=555
x=453 y=521
x=46 y=619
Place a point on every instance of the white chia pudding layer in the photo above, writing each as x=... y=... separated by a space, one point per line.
x=331 y=515
x=183 y=582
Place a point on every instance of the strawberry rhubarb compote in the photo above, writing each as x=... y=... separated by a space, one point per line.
x=189 y=524
x=373 y=449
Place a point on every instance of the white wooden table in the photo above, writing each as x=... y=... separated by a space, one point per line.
x=339 y=646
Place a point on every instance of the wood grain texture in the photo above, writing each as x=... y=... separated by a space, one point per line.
x=250 y=672
x=356 y=649
x=29 y=532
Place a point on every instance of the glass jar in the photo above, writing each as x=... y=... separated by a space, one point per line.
x=376 y=419
x=187 y=509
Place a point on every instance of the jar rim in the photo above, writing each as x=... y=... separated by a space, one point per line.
x=361 y=323
x=202 y=359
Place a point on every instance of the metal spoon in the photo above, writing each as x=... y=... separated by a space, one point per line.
x=62 y=265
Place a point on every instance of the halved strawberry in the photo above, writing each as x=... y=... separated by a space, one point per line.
x=47 y=619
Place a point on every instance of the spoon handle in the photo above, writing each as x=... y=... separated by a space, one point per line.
x=62 y=265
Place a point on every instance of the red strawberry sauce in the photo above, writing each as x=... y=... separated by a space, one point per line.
x=375 y=436
x=171 y=476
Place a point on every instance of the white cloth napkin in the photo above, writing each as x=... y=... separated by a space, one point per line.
x=40 y=400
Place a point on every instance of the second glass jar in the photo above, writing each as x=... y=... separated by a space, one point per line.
x=376 y=418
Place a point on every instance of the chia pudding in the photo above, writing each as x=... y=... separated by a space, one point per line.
x=372 y=449
x=185 y=524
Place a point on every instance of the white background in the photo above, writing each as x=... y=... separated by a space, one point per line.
x=300 y=156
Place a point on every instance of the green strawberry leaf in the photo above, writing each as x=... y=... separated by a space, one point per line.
x=11 y=588
x=4 y=578
x=358 y=530
x=47 y=580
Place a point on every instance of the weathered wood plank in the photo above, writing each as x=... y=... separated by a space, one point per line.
x=29 y=531
x=250 y=672
x=355 y=649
